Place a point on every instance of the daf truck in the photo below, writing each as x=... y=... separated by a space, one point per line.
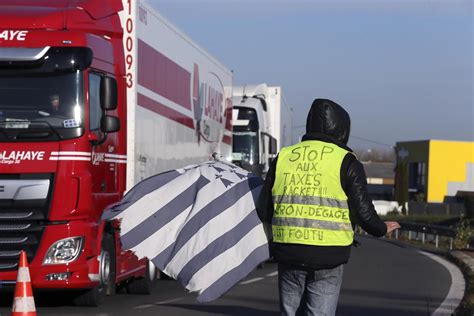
x=95 y=96
x=262 y=125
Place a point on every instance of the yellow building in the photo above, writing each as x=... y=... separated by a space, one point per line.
x=433 y=170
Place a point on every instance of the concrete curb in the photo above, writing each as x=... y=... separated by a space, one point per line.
x=466 y=264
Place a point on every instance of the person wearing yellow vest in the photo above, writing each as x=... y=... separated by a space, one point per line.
x=314 y=193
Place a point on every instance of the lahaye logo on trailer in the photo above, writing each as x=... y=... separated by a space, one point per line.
x=11 y=35
x=207 y=103
x=16 y=157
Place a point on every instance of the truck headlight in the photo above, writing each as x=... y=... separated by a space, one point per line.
x=63 y=251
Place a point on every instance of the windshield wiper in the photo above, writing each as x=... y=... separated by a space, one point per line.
x=31 y=131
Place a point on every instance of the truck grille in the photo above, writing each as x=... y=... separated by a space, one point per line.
x=22 y=220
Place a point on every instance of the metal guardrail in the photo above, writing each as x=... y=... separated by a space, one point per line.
x=425 y=229
x=429 y=229
x=435 y=231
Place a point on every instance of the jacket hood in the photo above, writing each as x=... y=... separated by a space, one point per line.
x=329 y=119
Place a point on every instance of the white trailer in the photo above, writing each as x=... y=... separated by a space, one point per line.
x=179 y=96
x=280 y=117
x=262 y=125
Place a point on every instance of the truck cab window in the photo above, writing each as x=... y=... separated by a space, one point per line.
x=46 y=106
x=95 y=111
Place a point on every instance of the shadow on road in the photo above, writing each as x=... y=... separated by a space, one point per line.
x=391 y=296
x=43 y=299
x=355 y=310
x=224 y=309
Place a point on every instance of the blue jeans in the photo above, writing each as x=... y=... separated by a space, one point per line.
x=318 y=288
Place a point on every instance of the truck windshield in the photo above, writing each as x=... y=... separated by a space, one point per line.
x=245 y=147
x=41 y=106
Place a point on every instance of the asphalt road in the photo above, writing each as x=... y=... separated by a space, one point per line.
x=381 y=279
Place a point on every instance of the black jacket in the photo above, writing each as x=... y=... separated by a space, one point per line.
x=328 y=122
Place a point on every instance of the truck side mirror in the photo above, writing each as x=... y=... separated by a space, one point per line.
x=273 y=146
x=108 y=93
x=109 y=124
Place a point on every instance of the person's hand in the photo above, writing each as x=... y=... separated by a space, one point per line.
x=391 y=226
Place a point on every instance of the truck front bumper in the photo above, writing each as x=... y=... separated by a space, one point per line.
x=81 y=273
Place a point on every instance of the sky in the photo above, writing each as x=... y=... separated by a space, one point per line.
x=403 y=69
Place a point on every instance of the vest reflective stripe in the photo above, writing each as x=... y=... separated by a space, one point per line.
x=310 y=205
x=310 y=223
x=309 y=200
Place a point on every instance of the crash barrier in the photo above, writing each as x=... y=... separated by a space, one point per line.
x=23 y=301
x=426 y=233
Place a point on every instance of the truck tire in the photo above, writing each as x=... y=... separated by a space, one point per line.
x=96 y=295
x=144 y=284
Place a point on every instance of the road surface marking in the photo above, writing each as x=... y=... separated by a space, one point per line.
x=169 y=301
x=456 y=291
x=143 y=306
x=274 y=273
x=159 y=303
x=251 y=281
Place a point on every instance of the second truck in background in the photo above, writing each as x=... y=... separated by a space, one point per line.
x=262 y=125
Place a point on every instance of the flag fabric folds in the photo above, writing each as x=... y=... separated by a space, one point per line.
x=197 y=224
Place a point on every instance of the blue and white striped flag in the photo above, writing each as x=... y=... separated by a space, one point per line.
x=197 y=224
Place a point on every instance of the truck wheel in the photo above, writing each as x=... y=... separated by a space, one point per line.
x=144 y=284
x=96 y=295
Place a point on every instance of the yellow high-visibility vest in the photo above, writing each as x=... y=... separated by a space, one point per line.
x=310 y=205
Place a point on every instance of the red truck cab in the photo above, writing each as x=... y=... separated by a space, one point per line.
x=63 y=146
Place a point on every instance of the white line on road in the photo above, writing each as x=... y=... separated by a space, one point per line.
x=169 y=301
x=275 y=273
x=251 y=281
x=159 y=303
x=456 y=291
x=143 y=306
